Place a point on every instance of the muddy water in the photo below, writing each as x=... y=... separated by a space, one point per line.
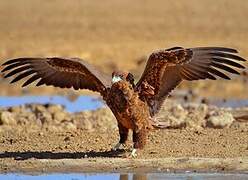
x=116 y=176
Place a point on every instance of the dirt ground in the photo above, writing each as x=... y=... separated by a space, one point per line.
x=41 y=138
x=120 y=35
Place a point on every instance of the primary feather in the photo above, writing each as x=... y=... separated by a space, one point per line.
x=165 y=69
x=58 y=72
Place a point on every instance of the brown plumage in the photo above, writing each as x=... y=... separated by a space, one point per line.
x=134 y=105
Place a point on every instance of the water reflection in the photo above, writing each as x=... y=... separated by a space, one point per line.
x=133 y=177
x=183 y=176
x=129 y=176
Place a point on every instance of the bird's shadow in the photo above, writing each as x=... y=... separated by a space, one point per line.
x=60 y=155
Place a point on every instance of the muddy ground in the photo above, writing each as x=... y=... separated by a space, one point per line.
x=47 y=138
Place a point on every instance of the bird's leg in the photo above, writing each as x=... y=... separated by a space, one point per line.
x=123 y=132
x=119 y=146
x=139 y=140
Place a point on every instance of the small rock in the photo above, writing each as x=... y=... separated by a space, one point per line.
x=41 y=134
x=175 y=122
x=178 y=111
x=67 y=138
x=59 y=116
x=11 y=141
x=6 y=118
x=70 y=126
x=55 y=108
x=44 y=117
x=53 y=128
x=220 y=119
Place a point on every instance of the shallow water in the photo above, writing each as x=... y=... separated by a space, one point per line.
x=117 y=176
x=80 y=104
x=91 y=103
x=233 y=103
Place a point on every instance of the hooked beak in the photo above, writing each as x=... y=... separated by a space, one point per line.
x=116 y=79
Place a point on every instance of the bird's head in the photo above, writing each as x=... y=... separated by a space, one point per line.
x=122 y=76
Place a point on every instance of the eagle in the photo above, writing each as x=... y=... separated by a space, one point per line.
x=133 y=104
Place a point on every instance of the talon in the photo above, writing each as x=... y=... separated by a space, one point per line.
x=119 y=146
x=133 y=153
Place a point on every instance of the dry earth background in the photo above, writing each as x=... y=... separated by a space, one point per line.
x=120 y=34
x=117 y=34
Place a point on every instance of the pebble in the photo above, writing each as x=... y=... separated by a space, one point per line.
x=7 y=118
x=55 y=118
x=220 y=119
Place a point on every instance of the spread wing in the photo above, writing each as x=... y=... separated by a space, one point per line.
x=58 y=72
x=165 y=69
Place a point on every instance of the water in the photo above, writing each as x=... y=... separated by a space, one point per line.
x=89 y=102
x=233 y=103
x=183 y=96
x=80 y=104
x=117 y=176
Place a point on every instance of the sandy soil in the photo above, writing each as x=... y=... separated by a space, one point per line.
x=121 y=34
x=46 y=138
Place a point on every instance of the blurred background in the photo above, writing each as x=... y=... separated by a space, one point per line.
x=117 y=34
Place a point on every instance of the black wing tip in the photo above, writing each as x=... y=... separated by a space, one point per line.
x=226 y=78
x=211 y=77
x=242 y=59
x=5 y=63
x=220 y=77
x=26 y=83
x=215 y=79
x=174 y=48
x=40 y=82
x=10 y=61
x=16 y=60
x=13 y=81
x=3 y=70
x=6 y=76
x=221 y=49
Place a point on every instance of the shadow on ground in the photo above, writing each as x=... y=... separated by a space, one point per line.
x=60 y=155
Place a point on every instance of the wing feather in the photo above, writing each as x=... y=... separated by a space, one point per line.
x=224 y=67
x=228 y=62
x=22 y=75
x=202 y=70
x=227 y=55
x=30 y=80
x=190 y=76
x=15 y=71
x=165 y=69
x=58 y=72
